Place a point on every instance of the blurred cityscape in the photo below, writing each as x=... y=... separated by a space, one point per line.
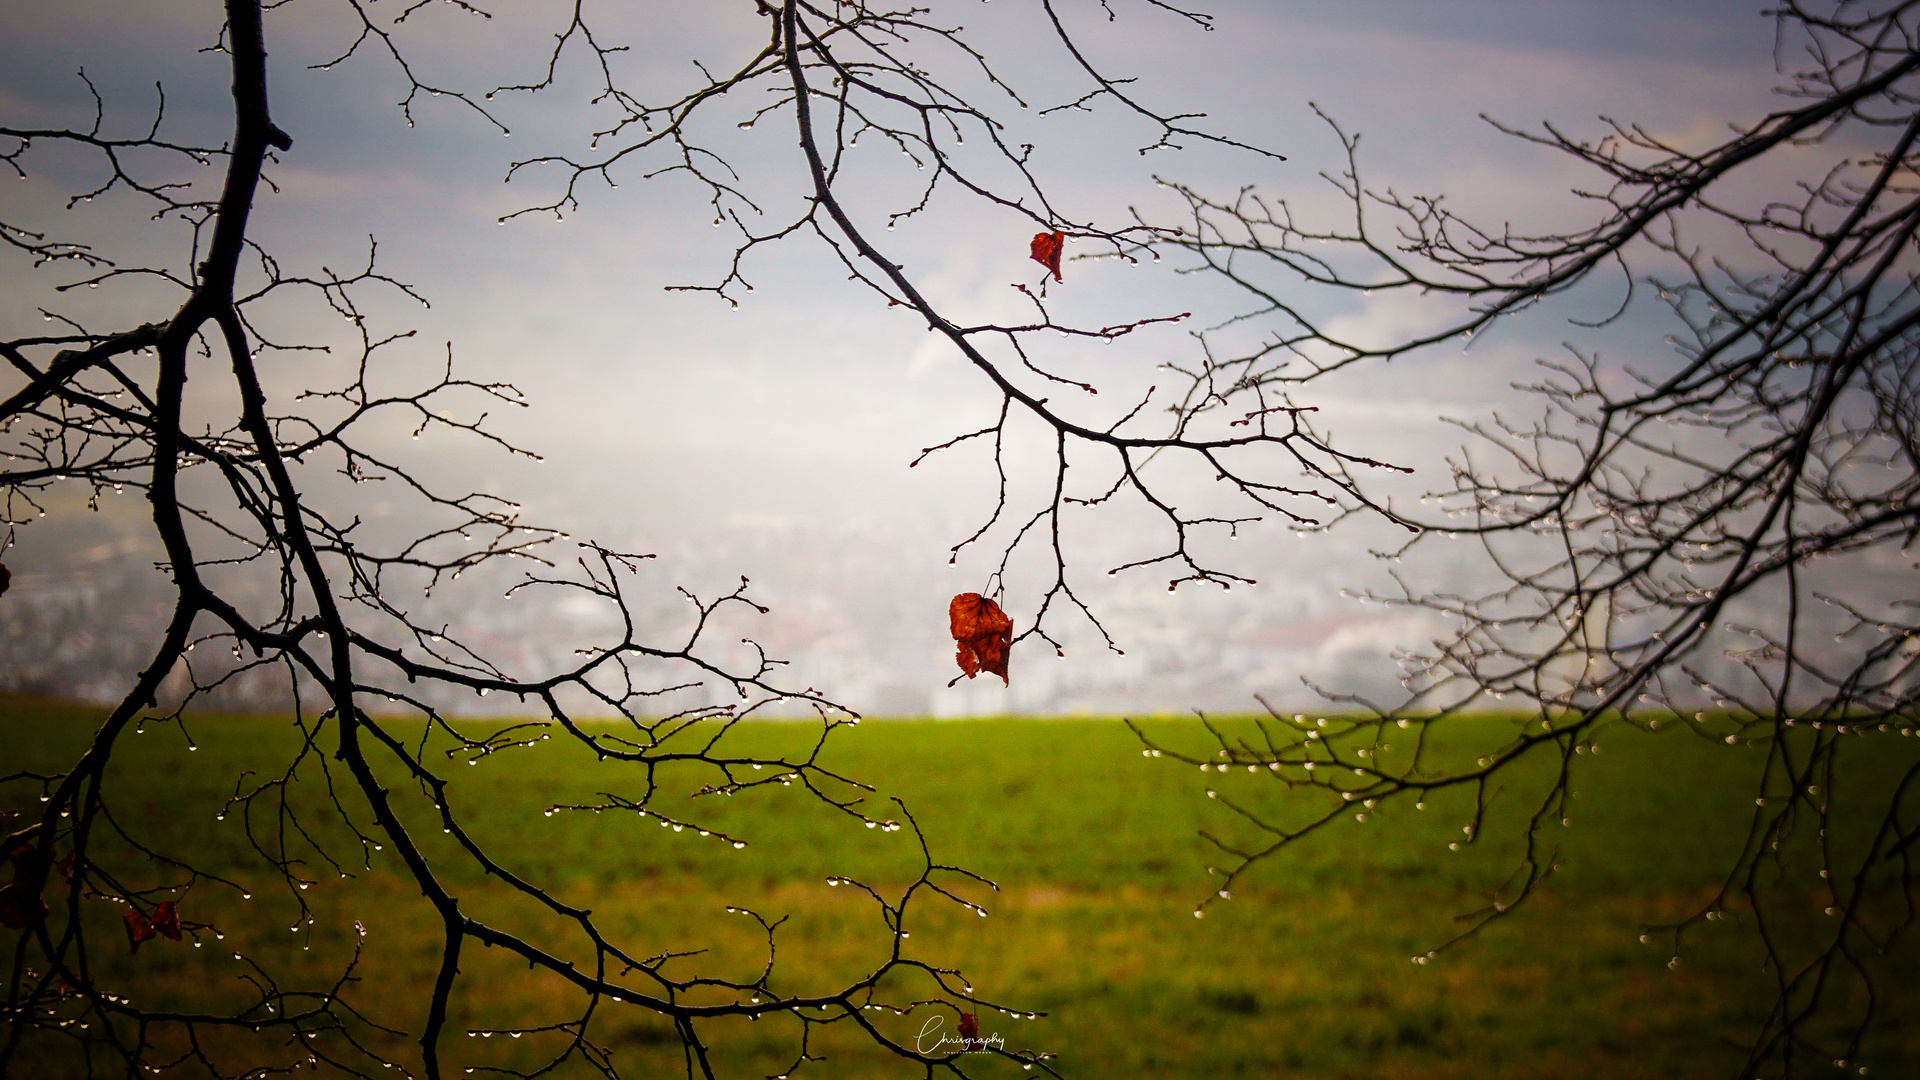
x=856 y=610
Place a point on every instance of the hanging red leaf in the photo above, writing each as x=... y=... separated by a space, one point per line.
x=66 y=865
x=27 y=858
x=139 y=929
x=166 y=919
x=1047 y=247
x=20 y=907
x=969 y=1028
x=983 y=633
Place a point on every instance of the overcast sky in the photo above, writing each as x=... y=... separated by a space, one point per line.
x=773 y=439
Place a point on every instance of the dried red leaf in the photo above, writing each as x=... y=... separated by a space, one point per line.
x=969 y=1027
x=139 y=929
x=983 y=633
x=20 y=903
x=66 y=865
x=30 y=865
x=1047 y=247
x=25 y=858
x=166 y=919
x=20 y=907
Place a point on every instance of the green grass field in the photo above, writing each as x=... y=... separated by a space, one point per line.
x=1304 y=973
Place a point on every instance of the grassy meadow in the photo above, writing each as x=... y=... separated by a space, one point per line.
x=1095 y=848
